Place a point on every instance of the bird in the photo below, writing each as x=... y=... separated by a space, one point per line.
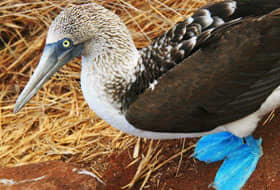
x=213 y=75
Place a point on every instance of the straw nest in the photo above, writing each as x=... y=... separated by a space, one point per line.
x=57 y=124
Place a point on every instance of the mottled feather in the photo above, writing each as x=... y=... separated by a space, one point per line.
x=169 y=49
x=228 y=77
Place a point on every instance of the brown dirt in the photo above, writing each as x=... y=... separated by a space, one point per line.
x=198 y=175
x=51 y=175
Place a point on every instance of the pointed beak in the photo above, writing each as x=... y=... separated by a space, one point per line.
x=51 y=61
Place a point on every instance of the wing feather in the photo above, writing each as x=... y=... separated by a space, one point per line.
x=227 y=78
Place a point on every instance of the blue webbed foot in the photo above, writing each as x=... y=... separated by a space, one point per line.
x=215 y=147
x=240 y=157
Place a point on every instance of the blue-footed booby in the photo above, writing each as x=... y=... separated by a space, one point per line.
x=215 y=75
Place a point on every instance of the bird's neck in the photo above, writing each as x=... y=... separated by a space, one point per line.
x=109 y=66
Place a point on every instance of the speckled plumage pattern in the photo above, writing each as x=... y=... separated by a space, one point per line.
x=169 y=49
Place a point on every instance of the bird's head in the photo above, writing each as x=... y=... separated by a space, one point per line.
x=67 y=38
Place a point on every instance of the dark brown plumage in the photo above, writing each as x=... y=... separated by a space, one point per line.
x=171 y=48
x=228 y=76
x=174 y=46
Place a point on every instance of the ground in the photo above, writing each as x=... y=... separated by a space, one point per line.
x=198 y=175
x=180 y=173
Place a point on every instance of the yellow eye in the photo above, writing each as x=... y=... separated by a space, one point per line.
x=66 y=43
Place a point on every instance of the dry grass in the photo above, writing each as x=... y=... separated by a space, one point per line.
x=57 y=123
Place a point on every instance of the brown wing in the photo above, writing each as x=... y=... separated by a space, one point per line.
x=226 y=79
x=186 y=37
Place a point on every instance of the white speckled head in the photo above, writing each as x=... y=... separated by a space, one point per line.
x=81 y=23
x=108 y=45
x=100 y=30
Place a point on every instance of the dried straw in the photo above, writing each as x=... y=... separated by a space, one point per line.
x=57 y=124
